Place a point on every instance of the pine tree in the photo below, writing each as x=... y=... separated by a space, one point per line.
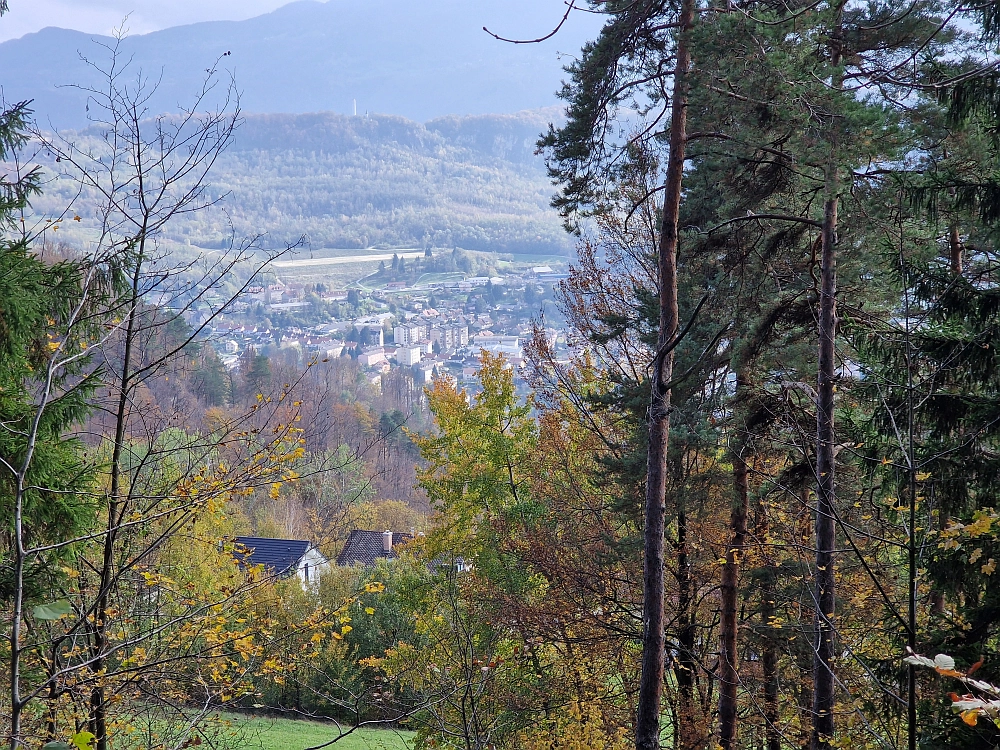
x=44 y=391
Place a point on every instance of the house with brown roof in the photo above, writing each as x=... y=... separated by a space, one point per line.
x=364 y=548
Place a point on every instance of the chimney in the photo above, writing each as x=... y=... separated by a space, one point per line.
x=387 y=541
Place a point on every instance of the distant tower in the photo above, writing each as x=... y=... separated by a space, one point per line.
x=355 y=107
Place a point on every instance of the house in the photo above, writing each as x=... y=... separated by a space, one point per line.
x=423 y=373
x=282 y=558
x=365 y=547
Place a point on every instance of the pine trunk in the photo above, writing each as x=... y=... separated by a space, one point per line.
x=647 y=728
x=690 y=734
x=956 y=250
x=17 y=616
x=769 y=663
x=728 y=674
x=826 y=529
x=823 y=678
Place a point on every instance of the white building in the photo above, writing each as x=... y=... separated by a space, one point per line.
x=507 y=345
x=282 y=558
x=450 y=337
x=408 y=355
x=371 y=357
x=423 y=373
x=409 y=333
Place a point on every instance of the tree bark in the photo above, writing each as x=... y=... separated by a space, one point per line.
x=823 y=677
x=653 y=639
x=690 y=735
x=728 y=674
x=98 y=701
x=956 y=250
x=769 y=657
x=826 y=530
x=17 y=614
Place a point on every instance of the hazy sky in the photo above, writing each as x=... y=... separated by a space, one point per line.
x=101 y=16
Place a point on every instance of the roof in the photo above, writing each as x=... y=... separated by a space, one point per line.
x=365 y=547
x=279 y=556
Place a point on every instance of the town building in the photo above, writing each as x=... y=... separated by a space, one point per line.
x=371 y=357
x=409 y=333
x=409 y=355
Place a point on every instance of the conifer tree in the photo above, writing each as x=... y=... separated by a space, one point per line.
x=44 y=390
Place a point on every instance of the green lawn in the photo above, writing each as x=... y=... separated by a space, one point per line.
x=430 y=278
x=292 y=734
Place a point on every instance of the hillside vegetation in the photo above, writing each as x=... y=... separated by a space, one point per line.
x=355 y=182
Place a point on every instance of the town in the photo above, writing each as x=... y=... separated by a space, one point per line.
x=428 y=325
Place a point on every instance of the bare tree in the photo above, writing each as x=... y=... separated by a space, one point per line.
x=138 y=307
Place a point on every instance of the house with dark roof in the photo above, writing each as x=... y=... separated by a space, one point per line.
x=282 y=558
x=365 y=547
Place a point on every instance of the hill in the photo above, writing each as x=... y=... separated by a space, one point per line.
x=414 y=59
x=378 y=180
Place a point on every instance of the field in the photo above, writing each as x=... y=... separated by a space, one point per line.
x=334 y=260
x=291 y=734
x=437 y=278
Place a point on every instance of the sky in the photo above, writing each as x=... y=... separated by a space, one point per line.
x=101 y=16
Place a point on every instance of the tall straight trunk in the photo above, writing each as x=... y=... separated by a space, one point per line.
x=98 y=722
x=826 y=529
x=689 y=729
x=728 y=674
x=823 y=678
x=647 y=726
x=769 y=657
x=17 y=614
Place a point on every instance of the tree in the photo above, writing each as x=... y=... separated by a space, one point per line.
x=46 y=388
x=531 y=636
x=598 y=89
x=120 y=620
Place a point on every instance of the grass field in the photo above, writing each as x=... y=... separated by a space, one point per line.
x=432 y=278
x=291 y=734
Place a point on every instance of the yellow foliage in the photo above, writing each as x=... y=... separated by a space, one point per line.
x=581 y=727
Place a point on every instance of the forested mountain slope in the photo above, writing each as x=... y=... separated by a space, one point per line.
x=354 y=182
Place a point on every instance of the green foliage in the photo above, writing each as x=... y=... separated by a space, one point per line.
x=477 y=466
x=37 y=326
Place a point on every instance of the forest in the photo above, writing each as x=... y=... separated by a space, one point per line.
x=756 y=508
x=364 y=181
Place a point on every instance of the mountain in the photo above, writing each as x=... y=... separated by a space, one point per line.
x=355 y=182
x=417 y=59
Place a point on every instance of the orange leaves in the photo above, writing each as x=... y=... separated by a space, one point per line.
x=970 y=707
x=970 y=717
